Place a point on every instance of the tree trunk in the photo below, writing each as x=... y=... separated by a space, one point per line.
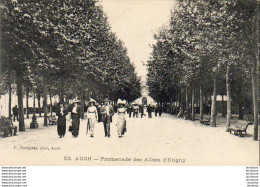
x=34 y=101
x=82 y=103
x=39 y=105
x=50 y=100
x=10 y=100
x=45 y=108
x=192 y=104
x=223 y=113
x=187 y=100
x=214 y=103
x=62 y=91
x=27 y=102
x=89 y=95
x=255 y=87
x=20 y=101
x=201 y=103
x=179 y=99
x=170 y=106
x=228 y=97
x=182 y=99
x=206 y=110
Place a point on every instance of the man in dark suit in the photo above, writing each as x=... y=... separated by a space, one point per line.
x=149 y=111
x=15 y=112
x=107 y=112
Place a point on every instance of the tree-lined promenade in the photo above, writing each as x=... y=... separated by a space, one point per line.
x=209 y=48
x=63 y=48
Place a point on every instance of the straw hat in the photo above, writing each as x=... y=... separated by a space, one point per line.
x=92 y=101
x=121 y=102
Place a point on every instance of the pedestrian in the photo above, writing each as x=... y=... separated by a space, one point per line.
x=160 y=110
x=15 y=112
x=107 y=112
x=156 y=110
x=75 y=116
x=135 y=110
x=92 y=116
x=99 y=113
x=61 y=126
x=180 y=114
x=55 y=107
x=174 y=109
x=129 y=110
x=149 y=111
x=141 y=109
x=121 y=121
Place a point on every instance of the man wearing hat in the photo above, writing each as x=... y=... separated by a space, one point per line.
x=107 y=112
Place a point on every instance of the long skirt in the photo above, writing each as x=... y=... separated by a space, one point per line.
x=61 y=126
x=90 y=126
x=121 y=125
x=75 y=126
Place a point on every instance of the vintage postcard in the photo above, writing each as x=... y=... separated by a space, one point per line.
x=129 y=83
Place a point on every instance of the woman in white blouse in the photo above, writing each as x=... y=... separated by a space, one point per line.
x=92 y=116
x=121 y=122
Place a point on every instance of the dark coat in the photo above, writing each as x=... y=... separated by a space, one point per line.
x=149 y=109
x=76 y=121
x=15 y=110
x=61 y=117
x=61 y=126
x=129 y=109
x=103 y=111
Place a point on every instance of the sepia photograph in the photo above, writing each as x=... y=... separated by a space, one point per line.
x=129 y=83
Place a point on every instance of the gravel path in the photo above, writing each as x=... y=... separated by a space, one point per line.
x=165 y=140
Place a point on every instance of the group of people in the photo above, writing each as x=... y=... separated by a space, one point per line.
x=95 y=113
x=98 y=113
x=140 y=109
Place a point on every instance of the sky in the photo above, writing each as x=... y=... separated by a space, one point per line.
x=135 y=22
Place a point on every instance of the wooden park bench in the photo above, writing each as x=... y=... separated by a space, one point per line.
x=7 y=127
x=238 y=129
x=52 y=120
x=205 y=121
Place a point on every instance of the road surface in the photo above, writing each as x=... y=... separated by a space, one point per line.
x=165 y=140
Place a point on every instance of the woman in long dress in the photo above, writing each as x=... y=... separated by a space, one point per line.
x=61 y=126
x=121 y=121
x=75 y=116
x=92 y=116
